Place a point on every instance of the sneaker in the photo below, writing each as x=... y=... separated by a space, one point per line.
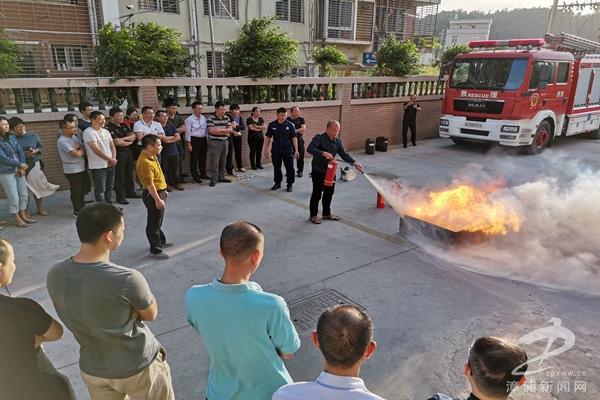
x=276 y=186
x=241 y=169
x=212 y=183
x=166 y=245
x=289 y=188
x=225 y=180
x=159 y=256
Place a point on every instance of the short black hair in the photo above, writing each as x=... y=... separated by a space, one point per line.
x=492 y=361
x=169 y=101
x=219 y=104
x=114 y=111
x=149 y=140
x=281 y=110
x=95 y=114
x=158 y=112
x=344 y=332
x=130 y=109
x=234 y=106
x=146 y=108
x=255 y=108
x=292 y=108
x=196 y=103
x=239 y=239
x=95 y=219
x=83 y=105
x=14 y=121
x=67 y=118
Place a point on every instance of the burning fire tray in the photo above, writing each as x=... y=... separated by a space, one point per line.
x=410 y=224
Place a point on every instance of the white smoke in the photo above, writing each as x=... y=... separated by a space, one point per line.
x=559 y=241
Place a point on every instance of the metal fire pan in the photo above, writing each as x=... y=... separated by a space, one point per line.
x=410 y=225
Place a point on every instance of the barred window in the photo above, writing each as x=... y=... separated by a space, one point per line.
x=299 y=71
x=222 y=8
x=167 y=6
x=340 y=22
x=70 y=58
x=289 y=10
x=210 y=66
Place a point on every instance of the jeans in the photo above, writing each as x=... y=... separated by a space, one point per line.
x=300 y=161
x=124 y=174
x=406 y=124
x=198 y=156
x=80 y=185
x=235 y=146
x=169 y=167
x=288 y=161
x=15 y=188
x=104 y=179
x=218 y=156
x=154 y=233
x=255 y=142
x=318 y=179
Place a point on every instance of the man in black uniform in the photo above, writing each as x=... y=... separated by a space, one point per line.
x=285 y=147
x=122 y=137
x=324 y=147
x=300 y=126
x=410 y=121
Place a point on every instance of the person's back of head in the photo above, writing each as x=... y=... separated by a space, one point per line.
x=100 y=223
x=242 y=241
x=344 y=336
x=495 y=367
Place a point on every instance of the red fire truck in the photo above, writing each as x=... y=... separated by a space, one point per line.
x=523 y=92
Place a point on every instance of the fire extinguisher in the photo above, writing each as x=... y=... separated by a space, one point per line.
x=330 y=173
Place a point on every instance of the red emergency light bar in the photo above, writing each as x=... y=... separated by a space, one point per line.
x=506 y=43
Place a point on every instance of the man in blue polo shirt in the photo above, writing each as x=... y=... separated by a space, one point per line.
x=247 y=332
x=282 y=134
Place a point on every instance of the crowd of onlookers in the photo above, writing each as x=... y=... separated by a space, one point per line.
x=248 y=333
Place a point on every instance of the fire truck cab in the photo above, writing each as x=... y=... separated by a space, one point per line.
x=523 y=92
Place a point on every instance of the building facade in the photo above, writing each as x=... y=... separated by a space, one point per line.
x=462 y=31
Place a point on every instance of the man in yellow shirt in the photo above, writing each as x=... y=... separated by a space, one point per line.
x=154 y=195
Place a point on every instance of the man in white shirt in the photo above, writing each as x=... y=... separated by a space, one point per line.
x=196 y=142
x=344 y=335
x=101 y=154
x=147 y=125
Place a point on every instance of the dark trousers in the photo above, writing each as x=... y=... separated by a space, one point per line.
x=255 y=142
x=181 y=151
x=288 y=161
x=154 y=233
x=198 y=156
x=80 y=185
x=169 y=167
x=124 y=175
x=300 y=161
x=235 y=146
x=406 y=124
x=104 y=179
x=318 y=179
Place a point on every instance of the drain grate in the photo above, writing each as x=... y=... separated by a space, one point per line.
x=247 y=177
x=305 y=312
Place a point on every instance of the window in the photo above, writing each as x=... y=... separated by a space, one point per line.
x=340 y=21
x=167 y=6
x=543 y=71
x=562 y=76
x=222 y=8
x=210 y=66
x=299 y=71
x=488 y=73
x=289 y=10
x=70 y=58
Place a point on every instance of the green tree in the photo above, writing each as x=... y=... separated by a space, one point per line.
x=261 y=51
x=398 y=58
x=327 y=56
x=9 y=55
x=451 y=52
x=145 y=50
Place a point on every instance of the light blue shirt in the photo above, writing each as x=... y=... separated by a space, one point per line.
x=242 y=328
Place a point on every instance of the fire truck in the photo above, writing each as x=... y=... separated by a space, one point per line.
x=523 y=92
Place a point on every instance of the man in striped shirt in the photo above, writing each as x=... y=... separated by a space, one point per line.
x=219 y=129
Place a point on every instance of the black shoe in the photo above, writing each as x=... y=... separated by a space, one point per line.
x=212 y=183
x=184 y=175
x=289 y=188
x=299 y=174
x=225 y=180
x=122 y=201
x=259 y=166
x=159 y=256
x=276 y=186
x=254 y=167
x=204 y=177
x=133 y=196
x=414 y=144
x=197 y=180
x=404 y=146
x=88 y=201
x=166 y=245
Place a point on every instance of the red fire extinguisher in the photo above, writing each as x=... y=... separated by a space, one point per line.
x=330 y=173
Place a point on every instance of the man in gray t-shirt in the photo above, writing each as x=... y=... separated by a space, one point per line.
x=105 y=306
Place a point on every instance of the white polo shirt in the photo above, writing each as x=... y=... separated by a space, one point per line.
x=103 y=140
x=154 y=128
x=326 y=387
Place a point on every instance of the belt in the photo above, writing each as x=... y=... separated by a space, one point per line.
x=145 y=191
x=219 y=140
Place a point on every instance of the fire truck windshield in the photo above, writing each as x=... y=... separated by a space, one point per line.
x=488 y=73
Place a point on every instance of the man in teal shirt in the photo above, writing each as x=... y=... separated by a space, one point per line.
x=247 y=332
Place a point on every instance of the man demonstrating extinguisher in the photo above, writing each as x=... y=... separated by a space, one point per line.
x=324 y=147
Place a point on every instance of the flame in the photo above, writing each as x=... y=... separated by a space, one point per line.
x=464 y=207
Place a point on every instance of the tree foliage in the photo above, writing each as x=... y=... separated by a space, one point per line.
x=398 y=58
x=451 y=52
x=327 y=56
x=144 y=50
x=9 y=55
x=261 y=51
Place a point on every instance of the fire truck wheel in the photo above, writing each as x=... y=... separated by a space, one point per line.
x=543 y=137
